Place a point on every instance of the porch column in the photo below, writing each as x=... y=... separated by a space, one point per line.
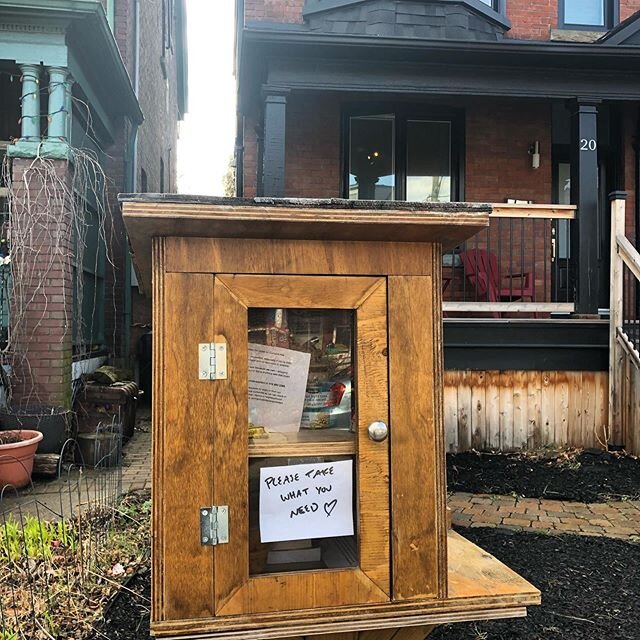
x=30 y=118
x=58 y=104
x=584 y=194
x=273 y=157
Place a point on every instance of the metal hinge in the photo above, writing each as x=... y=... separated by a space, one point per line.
x=214 y=525
x=212 y=360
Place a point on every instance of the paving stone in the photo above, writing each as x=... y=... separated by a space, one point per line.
x=516 y=522
x=592 y=528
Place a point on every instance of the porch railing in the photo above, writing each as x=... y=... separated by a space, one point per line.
x=521 y=264
x=624 y=335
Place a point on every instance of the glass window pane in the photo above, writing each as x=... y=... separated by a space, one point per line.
x=302 y=440
x=428 y=161
x=371 y=158
x=585 y=12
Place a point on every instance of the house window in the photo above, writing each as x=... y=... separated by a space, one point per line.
x=167 y=24
x=372 y=158
x=89 y=286
x=588 y=14
x=401 y=156
x=496 y=5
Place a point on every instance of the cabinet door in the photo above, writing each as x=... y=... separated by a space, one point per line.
x=308 y=507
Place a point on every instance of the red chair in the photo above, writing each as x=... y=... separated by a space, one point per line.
x=481 y=270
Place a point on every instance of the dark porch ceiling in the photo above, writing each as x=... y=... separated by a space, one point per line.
x=294 y=58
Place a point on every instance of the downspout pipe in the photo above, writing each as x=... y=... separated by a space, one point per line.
x=131 y=186
x=239 y=156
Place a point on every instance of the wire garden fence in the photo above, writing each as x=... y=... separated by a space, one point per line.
x=65 y=554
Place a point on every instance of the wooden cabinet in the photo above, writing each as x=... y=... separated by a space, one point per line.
x=354 y=295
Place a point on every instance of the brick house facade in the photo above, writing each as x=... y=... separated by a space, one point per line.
x=541 y=106
x=119 y=70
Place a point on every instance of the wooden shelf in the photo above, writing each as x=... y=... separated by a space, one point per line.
x=306 y=442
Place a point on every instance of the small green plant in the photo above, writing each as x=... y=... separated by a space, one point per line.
x=35 y=539
x=8 y=635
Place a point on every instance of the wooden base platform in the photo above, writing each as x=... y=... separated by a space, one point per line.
x=404 y=633
x=480 y=588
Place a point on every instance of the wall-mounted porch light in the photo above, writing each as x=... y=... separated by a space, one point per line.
x=534 y=152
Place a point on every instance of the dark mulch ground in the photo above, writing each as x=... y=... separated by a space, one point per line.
x=590 y=588
x=589 y=476
x=128 y=616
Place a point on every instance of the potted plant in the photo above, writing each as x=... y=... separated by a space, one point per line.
x=55 y=423
x=17 y=451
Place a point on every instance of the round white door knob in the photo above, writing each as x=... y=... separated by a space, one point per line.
x=378 y=431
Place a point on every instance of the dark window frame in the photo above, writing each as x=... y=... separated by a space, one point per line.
x=611 y=18
x=499 y=6
x=403 y=113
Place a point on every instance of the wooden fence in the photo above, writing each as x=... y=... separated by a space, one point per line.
x=624 y=335
x=508 y=410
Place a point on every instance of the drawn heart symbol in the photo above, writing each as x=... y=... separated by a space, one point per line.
x=330 y=506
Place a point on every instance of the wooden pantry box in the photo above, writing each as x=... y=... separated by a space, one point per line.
x=298 y=446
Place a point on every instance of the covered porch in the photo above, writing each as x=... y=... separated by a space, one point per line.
x=543 y=131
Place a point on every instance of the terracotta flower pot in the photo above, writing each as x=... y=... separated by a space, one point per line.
x=16 y=459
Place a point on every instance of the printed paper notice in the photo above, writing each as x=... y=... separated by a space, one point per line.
x=306 y=501
x=277 y=385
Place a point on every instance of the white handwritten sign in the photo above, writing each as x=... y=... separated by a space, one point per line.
x=306 y=501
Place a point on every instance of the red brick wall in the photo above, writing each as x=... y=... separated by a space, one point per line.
x=534 y=20
x=312 y=167
x=42 y=328
x=313 y=147
x=157 y=140
x=498 y=165
x=250 y=158
x=628 y=8
x=530 y=19
x=274 y=10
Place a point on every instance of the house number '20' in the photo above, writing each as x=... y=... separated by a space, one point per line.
x=588 y=144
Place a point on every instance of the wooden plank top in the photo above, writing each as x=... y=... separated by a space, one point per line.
x=306 y=442
x=151 y=215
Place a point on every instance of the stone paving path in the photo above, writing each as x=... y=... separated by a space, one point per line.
x=54 y=499
x=611 y=519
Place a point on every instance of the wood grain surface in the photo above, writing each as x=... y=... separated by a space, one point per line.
x=419 y=531
x=294 y=257
x=236 y=591
x=523 y=409
x=186 y=475
x=300 y=292
x=480 y=588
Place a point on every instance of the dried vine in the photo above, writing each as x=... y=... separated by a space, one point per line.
x=48 y=233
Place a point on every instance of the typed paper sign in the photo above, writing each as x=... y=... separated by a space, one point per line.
x=277 y=385
x=306 y=501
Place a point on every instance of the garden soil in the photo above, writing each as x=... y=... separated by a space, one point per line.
x=590 y=587
x=586 y=476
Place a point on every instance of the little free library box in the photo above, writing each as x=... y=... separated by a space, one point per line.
x=298 y=446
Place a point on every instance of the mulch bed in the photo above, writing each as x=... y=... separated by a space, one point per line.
x=127 y=618
x=590 y=588
x=582 y=476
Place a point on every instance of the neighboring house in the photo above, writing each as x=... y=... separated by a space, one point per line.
x=108 y=78
x=501 y=101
